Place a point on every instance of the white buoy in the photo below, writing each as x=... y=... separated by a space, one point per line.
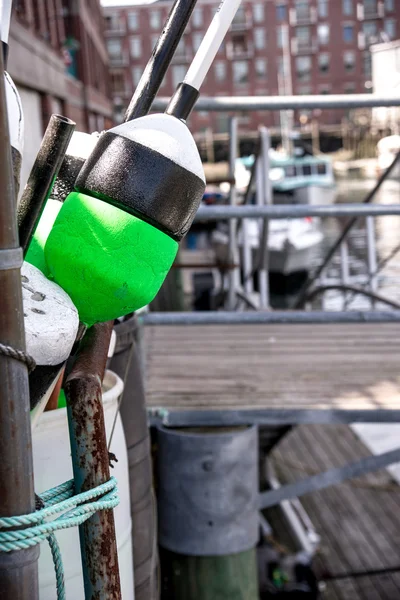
x=51 y=320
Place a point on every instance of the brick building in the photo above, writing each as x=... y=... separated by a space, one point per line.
x=59 y=62
x=273 y=47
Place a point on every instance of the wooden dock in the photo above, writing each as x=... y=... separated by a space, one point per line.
x=358 y=521
x=274 y=373
x=299 y=374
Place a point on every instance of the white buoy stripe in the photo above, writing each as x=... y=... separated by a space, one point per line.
x=211 y=42
x=167 y=136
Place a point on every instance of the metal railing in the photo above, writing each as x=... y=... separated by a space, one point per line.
x=251 y=103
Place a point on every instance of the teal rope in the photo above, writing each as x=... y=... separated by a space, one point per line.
x=76 y=510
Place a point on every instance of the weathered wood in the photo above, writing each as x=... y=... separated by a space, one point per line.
x=232 y=577
x=358 y=520
x=266 y=367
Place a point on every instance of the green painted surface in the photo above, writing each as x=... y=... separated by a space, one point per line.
x=231 y=577
x=108 y=261
x=35 y=254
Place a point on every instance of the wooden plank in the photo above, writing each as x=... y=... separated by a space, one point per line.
x=307 y=367
x=358 y=520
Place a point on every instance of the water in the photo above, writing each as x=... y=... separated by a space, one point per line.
x=387 y=239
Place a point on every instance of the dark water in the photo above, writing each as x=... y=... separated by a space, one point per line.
x=387 y=231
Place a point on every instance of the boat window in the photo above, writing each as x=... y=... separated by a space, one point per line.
x=321 y=169
x=290 y=171
x=306 y=169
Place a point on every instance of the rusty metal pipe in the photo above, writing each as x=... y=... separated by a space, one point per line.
x=91 y=462
x=18 y=570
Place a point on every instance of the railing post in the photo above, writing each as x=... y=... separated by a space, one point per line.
x=265 y=199
x=371 y=256
x=233 y=275
x=344 y=269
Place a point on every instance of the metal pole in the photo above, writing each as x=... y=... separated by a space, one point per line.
x=42 y=176
x=266 y=200
x=372 y=261
x=292 y=211
x=18 y=569
x=161 y=57
x=370 y=196
x=252 y=103
x=232 y=275
x=344 y=268
x=247 y=259
x=275 y=316
x=91 y=462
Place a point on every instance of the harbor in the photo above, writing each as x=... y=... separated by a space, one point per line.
x=200 y=300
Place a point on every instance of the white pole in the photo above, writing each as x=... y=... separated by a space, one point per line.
x=5 y=18
x=211 y=42
x=233 y=281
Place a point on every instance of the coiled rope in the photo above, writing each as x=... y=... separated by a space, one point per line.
x=76 y=510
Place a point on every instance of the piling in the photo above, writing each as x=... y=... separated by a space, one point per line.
x=208 y=515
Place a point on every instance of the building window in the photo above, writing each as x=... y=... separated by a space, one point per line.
x=197 y=18
x=240 y=71
x=220 y=70
x=370 y=7
x=155 y=19
x=136 y=46
x=302 y=9
x=348 y=7
x=323 y=62
x=323 y=32
x=323 y=9
x=114 y=48
x=370 y=28
x=303 y=67
x=136 y=75
x=178 y=74
x=259 y=38
x=367 y=64
x=303 y=35
x=117 y=82
x=389 y=5
x=197 y=38
x=258 y=13
x=325 y=90
x=280 y=36
x=390 y=28
x=281 y=12
x=222 y=122
x=154 y=40
x=350 y=87
x=349 y=61
x=280 y=65
x=261 y=68
x=133 y=20
x=304 y=90
x=348 y=33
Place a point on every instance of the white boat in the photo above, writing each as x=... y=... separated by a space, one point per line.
x=297 y=179
x=292 y=243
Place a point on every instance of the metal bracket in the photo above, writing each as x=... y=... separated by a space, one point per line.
x=11 y=258
x=328 y=478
